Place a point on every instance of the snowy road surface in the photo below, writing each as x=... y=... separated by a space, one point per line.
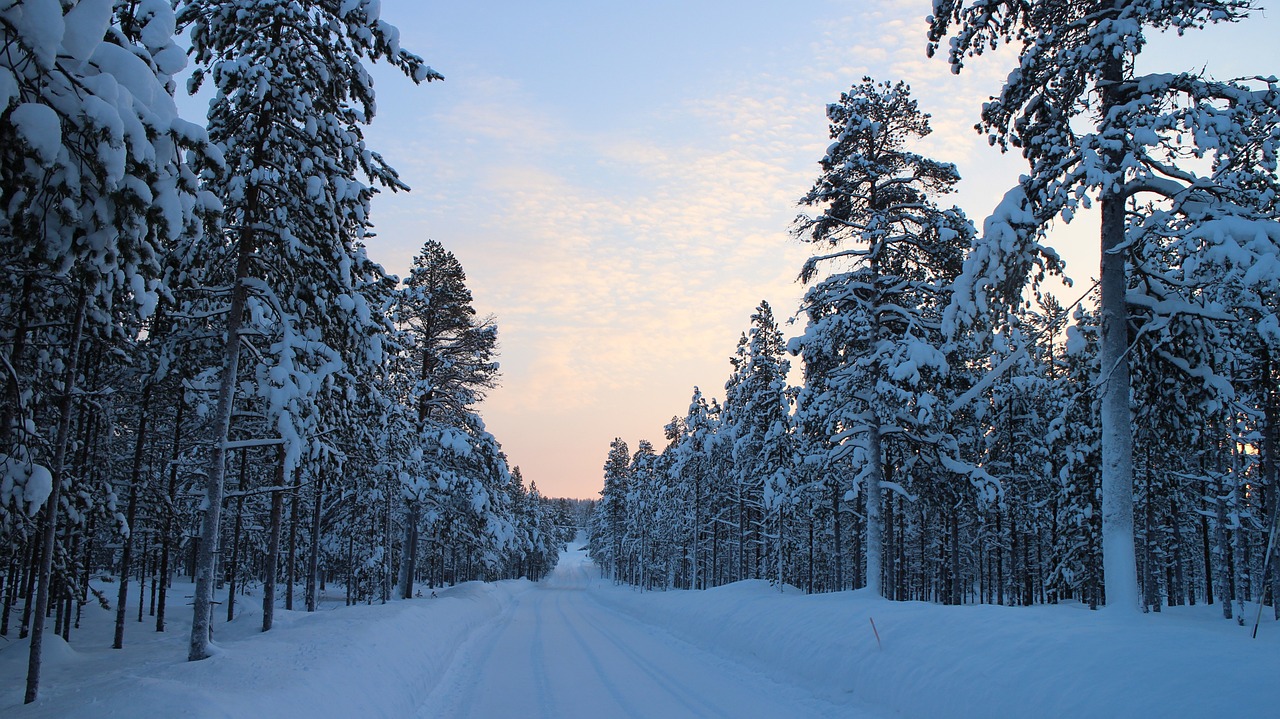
x=576 y=646
x=557 y=652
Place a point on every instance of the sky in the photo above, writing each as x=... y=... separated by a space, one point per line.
x=618 y=180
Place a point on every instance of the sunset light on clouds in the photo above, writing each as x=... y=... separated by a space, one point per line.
x=618 y=183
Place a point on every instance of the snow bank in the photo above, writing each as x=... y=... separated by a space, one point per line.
x=978 y=661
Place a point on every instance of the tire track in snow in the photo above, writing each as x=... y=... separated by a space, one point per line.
x=538 y=658
x=465 y=665
x=672 y=684
x=594 y=659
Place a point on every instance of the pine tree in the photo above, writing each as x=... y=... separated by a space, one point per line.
x=873 y=328
x=94 y=187
x=1077 y=60
x=608 y=533
x=452 y=351
x=762 y=434
x=291 y=92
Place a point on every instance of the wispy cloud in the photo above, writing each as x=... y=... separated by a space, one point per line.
x=623 y=257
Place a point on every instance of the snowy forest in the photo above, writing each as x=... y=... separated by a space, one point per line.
x=204 y=373
x=959 y=434
x=208 y=383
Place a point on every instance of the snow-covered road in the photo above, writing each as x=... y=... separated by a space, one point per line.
x=558 y=652
x=574 y=645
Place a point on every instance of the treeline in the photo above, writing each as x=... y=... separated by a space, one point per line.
x=961 y=435
x=203 y=372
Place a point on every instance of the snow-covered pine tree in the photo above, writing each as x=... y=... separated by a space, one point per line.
x=452 y=356
x=291 y=92
x=610 y=517
x=743 y=501
x=675 y=501
x=690 y=471
x=94 y=186
x=873 y=323
x=639 y=538
x=762 y=438
x=1077 y=61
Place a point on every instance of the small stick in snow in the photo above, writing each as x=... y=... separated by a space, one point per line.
x=876 y=632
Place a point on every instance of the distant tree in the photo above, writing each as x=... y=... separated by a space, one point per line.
x=762 y=434
x=643 y=502
x=610 y=516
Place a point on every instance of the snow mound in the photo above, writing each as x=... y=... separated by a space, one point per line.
x=978 y=661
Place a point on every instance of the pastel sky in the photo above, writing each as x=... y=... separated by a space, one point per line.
x=618 y=180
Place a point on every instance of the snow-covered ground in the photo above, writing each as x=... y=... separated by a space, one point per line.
x=575 y=645
x=559 y=651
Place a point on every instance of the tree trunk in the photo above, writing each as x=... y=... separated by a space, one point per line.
x=1223 y=569
x=1119 y=555
x=809 y=585
x=201 y=622
x=313 y=559
x=409 y=550
x=835 y=529
x=1208 y=559
x=715 y=554
x=1178 y=591
x=1244 y=578
x=142 y=584
x=272 y=569
x=291 y=568
x=1271 y=467
x=155 y=579
x=126 y=555
x=10 y=589
x=780 y=553
x=233 y=568
x=697 y=529
x=875 y=531
x=956 y=597
x=61 y=441
x=351 y=571
x=33 y=571
x=742 y=534
x=166 y=541
x=999 y=556
x=386 y=552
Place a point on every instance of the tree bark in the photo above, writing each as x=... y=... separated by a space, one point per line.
x=291 y=566
x=1223 y=569
x=875 y=530
x=272 y=568
x=166 y=541
x=33 y=571
x=12 y=382
x=62 y=439
x=126 y=555
x=10 y=589
x=1178 y=592
x=201 y=621
x=1119 y=555
x=1271 y=469
x=408 y=550
x=835 y=529
x=313 y=561
x=233 y=568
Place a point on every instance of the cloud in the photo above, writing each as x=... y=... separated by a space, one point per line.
x=623 y=253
